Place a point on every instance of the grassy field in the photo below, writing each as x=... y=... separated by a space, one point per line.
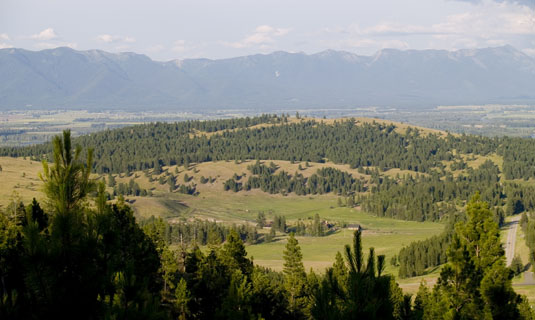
x=20 y=181
x=318 y=253
x=528 y=291
x=387 y=236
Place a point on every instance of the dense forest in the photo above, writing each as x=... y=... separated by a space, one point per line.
x=430 y=197
x=73 y=259
x=357 y=144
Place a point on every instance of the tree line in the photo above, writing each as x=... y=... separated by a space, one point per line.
x=414 y=259
x=199 y=232
x=324 y=180
x=347 y=142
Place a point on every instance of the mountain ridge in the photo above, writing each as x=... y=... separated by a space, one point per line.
x=97 y=80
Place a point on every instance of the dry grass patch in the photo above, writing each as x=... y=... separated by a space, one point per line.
x=19 y=180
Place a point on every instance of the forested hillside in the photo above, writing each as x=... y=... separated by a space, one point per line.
x=384 y=169
x=80 y=251
x=435 y=172
x=345 y=141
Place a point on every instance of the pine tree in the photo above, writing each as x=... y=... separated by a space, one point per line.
x=234 y=254
x=475 y=283
x=517 y=266
x=261 y=220
x=294 y=272
x=358 y=290
x=182 y=298
x=157 y=167
x=67 y=183
x=111 y=180
x=271 y=235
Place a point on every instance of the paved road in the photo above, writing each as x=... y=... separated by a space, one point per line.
x=511 y=239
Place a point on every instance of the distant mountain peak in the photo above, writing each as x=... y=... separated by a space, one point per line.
x=333 y=54
x=67 y=78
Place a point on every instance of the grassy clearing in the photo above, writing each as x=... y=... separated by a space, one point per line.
x=20 y=180
x=411 y=285
x=385 y=235
x=400 y=126
x=528 y=291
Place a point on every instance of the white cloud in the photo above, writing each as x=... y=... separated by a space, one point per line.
x=483 y=22
x=263 y=36
x=378 y=44
x=529 y=51
x=179 y=46
x=5 y=37
x=526 y=3
x=395 y=29
x=50 y=45
x=45 y=35
x=108 y=38
x=490 y=20
x=489 y=24
x=265 y=29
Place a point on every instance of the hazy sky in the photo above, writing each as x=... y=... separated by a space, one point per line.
x=166 y=30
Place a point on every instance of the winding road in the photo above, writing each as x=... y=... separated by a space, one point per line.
x=511 y=239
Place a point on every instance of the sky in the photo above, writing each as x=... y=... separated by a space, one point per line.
x=215 y=29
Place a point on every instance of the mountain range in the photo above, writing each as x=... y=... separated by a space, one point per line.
x=99 y=80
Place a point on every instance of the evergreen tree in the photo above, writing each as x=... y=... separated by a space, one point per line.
x=157 y=167
x=261 y=220
x=235 y=255
x=271 y=235
x=295 y=275
x=111 y=180
x=358 y=290
x=182 y=298
x=475 y=284
x=67 y=183
x=517 y=266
